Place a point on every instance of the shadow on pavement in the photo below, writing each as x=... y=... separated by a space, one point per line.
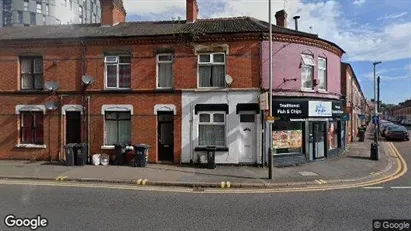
x=359 y=157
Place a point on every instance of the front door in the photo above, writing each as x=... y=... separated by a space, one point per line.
x=247 y=138
x=73 y=127
x=317 y=139
x=165 y=136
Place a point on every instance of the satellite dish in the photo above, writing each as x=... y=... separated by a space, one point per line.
x=51 y=106
x=228 y=79
x=87 y=80
x=51 y=86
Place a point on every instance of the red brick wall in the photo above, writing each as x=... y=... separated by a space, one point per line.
x=62 y=63
x=111 y=13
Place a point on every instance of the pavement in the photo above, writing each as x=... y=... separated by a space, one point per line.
x=353 y=166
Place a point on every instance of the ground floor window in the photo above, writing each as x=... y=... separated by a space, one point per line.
x=287 y=137
x=117 y=127
x=31 y=127
x=211 y=127
x=332 y=135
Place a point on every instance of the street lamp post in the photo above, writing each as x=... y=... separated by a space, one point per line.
x=376 y=124
x=270 y=82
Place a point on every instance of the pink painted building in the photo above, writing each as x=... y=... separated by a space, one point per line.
x=307 y=99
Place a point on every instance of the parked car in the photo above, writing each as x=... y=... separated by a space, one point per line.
x=384 y=129
x=408 y=122
x=397 y=132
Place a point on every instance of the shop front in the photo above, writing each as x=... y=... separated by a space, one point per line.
x=305 y=130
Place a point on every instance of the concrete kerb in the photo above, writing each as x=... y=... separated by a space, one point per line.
x=386 y=173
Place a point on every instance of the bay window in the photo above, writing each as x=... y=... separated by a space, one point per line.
x=211 y=70
x=31 y=127
x=307 y=72
x=117 y=127
x=164 y=71
x=31 y=73
x=211 y=128
x=322 y=73
x=118 y=72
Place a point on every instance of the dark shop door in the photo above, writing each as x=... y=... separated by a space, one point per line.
x=165 y=136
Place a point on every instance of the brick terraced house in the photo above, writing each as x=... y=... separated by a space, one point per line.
x=150 y=77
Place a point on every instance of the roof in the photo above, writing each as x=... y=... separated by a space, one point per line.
x=148 y=28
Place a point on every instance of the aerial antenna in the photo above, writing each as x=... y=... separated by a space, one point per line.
x=311 y=29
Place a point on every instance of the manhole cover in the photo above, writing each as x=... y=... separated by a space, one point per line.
x=308 y=173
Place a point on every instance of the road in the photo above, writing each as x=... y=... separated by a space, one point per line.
x=69 y=208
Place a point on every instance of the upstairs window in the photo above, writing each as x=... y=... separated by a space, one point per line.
x=31 y=127
x=164 y=71
x=211 y=70
x=31 y=73
x=47 y=9
x=118 y=72
x=307 y=72
x=26 y=5
x=39 y=7
x=322 y=73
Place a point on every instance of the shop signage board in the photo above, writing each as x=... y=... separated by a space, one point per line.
x=294 y=109
x=337 y=109
x=319 y=109
x=345 y=117
x=264 y=101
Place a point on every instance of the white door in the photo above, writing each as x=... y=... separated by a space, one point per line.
x=247 y=139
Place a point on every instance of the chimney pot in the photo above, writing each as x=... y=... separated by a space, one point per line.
x=281 y=18
x=296 y=21
x=191 y=11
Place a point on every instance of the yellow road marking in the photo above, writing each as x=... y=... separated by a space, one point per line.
x=228 y=184
x=144 y=182
x=58 y=178
x=319 y=182
x=402 y=169
x=139 y=181
x=222 y=184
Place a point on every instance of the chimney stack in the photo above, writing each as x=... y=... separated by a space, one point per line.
x=112 y=12
x=296 y=21
x=281 y=17
x=191 y=11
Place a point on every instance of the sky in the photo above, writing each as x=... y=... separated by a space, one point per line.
x=368 y=30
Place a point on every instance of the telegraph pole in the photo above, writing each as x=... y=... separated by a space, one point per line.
x=270 y=82
x=376 y=124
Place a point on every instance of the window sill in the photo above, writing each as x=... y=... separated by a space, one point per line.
x=164 y=89
x=35 y=146
x=307 y=90
x=111 y=147
x=219 y=149
x=118 y=89
x=322 y=91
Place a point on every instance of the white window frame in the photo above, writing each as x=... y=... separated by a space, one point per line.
x=211 y=113
x=47 y=9
x=117 y=64
x=211 y=63
x=307 y=61
x=26 y=5
x=39 y=10
x=323 y=69
x=172 y=69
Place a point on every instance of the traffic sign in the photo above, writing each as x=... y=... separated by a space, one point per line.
x=375 y=120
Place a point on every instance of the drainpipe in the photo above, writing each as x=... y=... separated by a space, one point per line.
x=88 y=126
